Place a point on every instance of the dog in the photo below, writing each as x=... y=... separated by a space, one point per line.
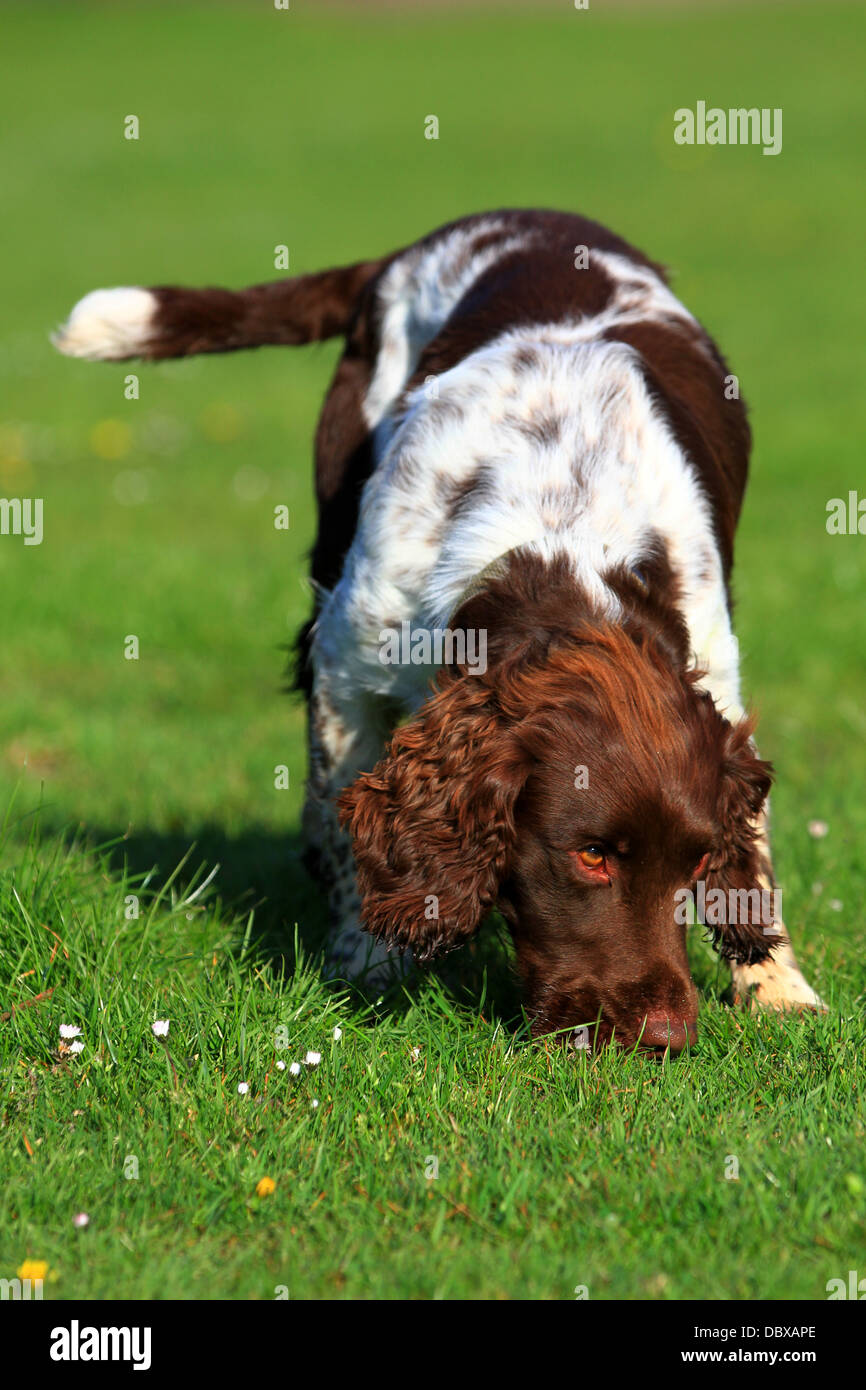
x=521 y=674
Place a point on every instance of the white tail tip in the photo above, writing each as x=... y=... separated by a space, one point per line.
x=109 y=325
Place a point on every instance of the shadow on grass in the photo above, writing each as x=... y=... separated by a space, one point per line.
x=263 y=873
x=263 y=889
x=260 y=872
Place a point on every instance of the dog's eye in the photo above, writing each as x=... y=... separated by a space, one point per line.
x=592 y=856
x=592 y=863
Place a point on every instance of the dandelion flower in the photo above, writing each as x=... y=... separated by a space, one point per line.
x=160 y=1028
x=265 y=1186
x=33 y=1269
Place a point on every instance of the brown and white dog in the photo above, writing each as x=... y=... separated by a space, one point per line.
x=530 y=447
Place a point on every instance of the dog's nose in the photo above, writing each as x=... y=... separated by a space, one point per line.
x=662 y=1031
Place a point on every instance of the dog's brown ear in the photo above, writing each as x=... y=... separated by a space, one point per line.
x=736 y=867
x=433 y=823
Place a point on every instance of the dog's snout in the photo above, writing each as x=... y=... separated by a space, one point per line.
x=662 y=1032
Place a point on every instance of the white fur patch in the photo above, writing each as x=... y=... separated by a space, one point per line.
x=417 y=293
x=109 y=325
x=569 y=455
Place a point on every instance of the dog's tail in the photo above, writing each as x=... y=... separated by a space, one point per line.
x=168 y=321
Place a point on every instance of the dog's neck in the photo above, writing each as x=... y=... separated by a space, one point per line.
x=527 y=605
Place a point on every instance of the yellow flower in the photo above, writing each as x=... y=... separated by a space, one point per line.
x=111 y=439
x=265 y=1186
x=221 y=422
x=33 y=1269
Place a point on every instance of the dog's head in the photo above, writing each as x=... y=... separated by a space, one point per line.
x=582 y=793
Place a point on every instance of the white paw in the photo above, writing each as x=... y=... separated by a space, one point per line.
x=109 y=325
x=771 y=986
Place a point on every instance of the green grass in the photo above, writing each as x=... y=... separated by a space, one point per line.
x=260 y=128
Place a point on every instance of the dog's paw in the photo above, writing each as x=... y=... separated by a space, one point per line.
x=775 y=985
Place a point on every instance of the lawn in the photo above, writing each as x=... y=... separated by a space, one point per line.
x=433 y=1151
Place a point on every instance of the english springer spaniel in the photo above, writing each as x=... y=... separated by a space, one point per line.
x=521 y=674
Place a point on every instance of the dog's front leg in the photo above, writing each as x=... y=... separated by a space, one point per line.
x=345 y=738
x=777 y=982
